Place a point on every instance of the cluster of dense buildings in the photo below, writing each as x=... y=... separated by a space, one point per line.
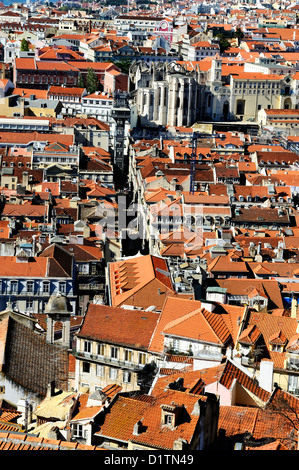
x=149 y=256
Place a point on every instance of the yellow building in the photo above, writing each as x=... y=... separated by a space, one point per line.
x=251 y=92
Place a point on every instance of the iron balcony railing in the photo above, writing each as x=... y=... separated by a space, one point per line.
x=110 y=361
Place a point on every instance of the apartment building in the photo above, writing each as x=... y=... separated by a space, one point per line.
x=124 y=23
x=56 y=154
x=98 y=105
x=40 y=74
x=70 y=98
x=112 y=347
x=29 y=281
x=202 y=49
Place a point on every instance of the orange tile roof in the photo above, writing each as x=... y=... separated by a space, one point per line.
x=260 y=424
x=133 y=328
x=23 y=210
x=138 y=279
x=256 y=76
x=16 y=441
x=12 y=268
x=236 y=286
x=126 y=412
x=27 y=92
x=174 y=308
x=201 y=325
x=59 y=90
x=27 y=137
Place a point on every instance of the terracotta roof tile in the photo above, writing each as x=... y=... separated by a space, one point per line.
x=148 y=409
x=119 y=326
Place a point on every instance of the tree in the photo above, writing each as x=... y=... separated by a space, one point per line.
x=81 y=83
x=92 y=82
x=223 y=42
x=239 y=35
x=283 y=410
x=24 y=45
x=124 y=65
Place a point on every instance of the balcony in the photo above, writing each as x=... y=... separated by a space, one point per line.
x=24 y=292
x=110 y=361
x=93 y=287
x=208 y=355
x=293 y=366
x=286 y=92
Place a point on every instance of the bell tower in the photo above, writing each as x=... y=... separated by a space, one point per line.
x=58 y=309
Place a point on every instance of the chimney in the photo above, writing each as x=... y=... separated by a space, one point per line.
x=266 y=375
x=25 y=179
x=180 y=444
x=161 y=143
x=51 y=389
x=137 y=428
x=294 y=307
x=209 y=306
x=259 y=248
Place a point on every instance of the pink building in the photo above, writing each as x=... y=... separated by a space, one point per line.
x=115 y=81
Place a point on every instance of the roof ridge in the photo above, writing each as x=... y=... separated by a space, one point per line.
x=206 y=313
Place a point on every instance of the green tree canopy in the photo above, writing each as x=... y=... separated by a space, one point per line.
x=223 y=42
x=124 y=65
x=81 y=83
x=92 y=81
x=24 y=45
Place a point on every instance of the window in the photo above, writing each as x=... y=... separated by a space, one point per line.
x=100 y=370
x=62 y=287
x=292 y=384
x=78 y=431
x=93 y=269
x=14 y=287
x=128 y=355
x=84 y=269
x=30 y=286
x=126 y=377
x=142 y=358
x=114 y=352
x=168 y=419
x=29 y=304
x=46 y=287
x=112 y=373
x=86 y=367
x=87 y=347
x=101 y=349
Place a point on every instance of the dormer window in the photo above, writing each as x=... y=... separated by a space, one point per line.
x=277 y=348
x=172 y=414
x=278 y=341
x=168 y=419
x=168 y=415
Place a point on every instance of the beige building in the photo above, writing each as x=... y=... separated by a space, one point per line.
x=112 y=348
